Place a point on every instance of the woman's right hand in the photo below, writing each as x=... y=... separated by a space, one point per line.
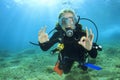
x=42 y=35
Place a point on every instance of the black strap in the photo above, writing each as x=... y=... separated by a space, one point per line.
x=33 y=43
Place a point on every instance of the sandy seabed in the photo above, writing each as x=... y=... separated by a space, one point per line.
x=32 y=64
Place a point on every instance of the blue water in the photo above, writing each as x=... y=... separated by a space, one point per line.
x=21 y=20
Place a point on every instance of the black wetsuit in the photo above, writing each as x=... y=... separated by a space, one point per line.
x=72 y=50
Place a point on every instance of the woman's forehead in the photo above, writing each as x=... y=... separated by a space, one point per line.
x=67 y=14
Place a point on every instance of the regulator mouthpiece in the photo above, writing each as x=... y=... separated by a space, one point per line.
x=69 y=33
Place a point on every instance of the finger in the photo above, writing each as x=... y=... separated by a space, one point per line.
x=83 y=39
x=40 y=32
x=91 y=31
x=92 y=38
x=44 y=29
x=91 y=35
x=86 y=32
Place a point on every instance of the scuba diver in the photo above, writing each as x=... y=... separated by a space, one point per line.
x=75 y=44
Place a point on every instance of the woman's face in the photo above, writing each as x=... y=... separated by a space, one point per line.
x=68 y=21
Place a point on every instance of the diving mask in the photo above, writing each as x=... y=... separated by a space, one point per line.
x=67 y=21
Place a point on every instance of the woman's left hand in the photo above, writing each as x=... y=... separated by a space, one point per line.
x=86 y=41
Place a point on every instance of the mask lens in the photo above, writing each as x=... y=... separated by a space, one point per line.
x=67 y=21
